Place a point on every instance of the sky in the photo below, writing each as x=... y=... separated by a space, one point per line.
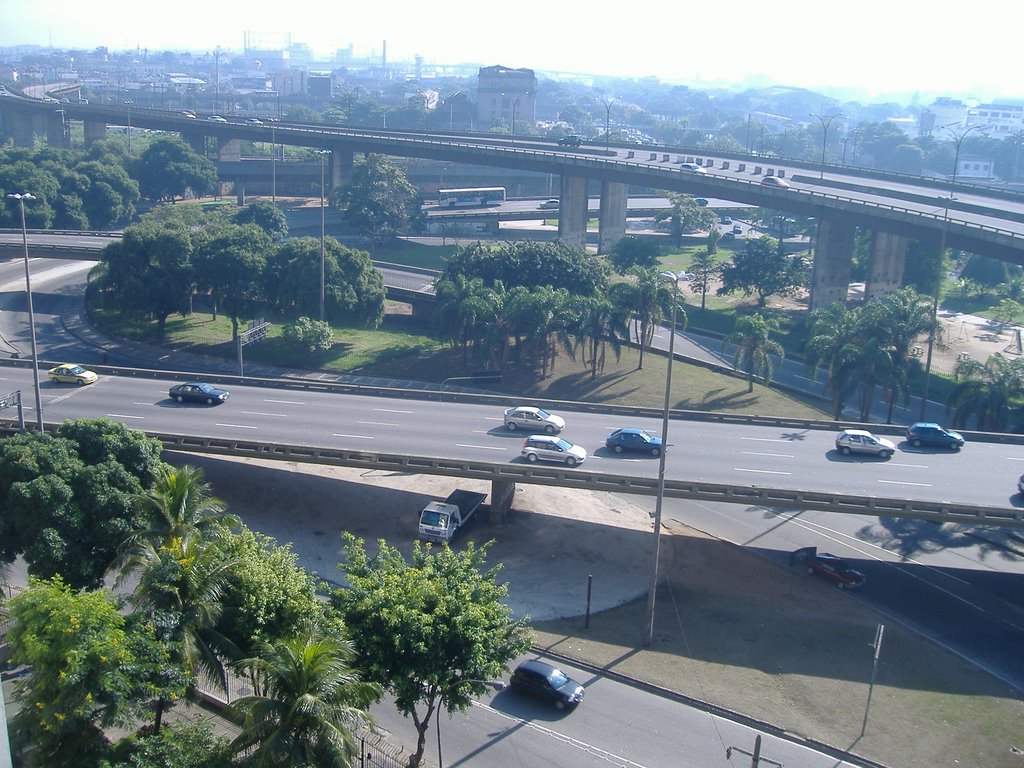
x=875 y=48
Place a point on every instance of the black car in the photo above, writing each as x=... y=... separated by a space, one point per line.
x=928 y=433
x=196 y=392
x=630 y=439
x=544 y=681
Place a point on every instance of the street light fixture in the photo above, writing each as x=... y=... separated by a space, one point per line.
x=128 y=104
x=21 y=198
x=273 y=165
x=825 y=121
x=660 y=498
x=323 y=154
x=496 y=685
x=607 y=121
x=959 y=138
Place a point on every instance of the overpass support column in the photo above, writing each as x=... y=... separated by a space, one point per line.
x=21 y=129
x=830 y=276
x=888 y=258
x=572 y=214
x=341 y=168
x=94 y=131
x=229 y=150
x=195 y=140
x=55 y=135
x=502 y=493
x=611 y=226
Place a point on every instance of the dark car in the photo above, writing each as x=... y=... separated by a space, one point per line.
x=629 y=439
x=196 y=392
x=829 y=566
x=544 y=681
x=929 y=433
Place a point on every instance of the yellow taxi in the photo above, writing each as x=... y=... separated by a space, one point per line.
x=71 y=373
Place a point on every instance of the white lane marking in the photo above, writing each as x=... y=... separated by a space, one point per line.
x=285 y=402
x=1015 y=458
x=779 y=455
x=239 y=426
x=141 y=403
x=765 y=439
x=380 y=423
x=261 y=413
x=904 y=482
x=123 y=416
x=355 y=437
x=762 y=471
x=911 y=466
x=390 y=410
x=480 y=447
x=493 y=418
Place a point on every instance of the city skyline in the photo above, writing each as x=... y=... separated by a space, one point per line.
x=882 y=51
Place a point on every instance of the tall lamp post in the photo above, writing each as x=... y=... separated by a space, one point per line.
x=496 y=685
x=21 y=198
x=607 y=121
x=959 y=138
x=128 y=106
x=273 y=165
x=323 y=154
x=825 y=121
x=653 y=587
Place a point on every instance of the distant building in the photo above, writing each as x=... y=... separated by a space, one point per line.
x=973 y=167
x=504 y=94
x=997 y=120
x=320 y=84
x=943 y=113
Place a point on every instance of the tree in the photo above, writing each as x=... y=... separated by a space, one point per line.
x=985 y=271
x=192 y=744
x=706 y=267
x=91 y=669
x=648 y=298
x=529 y=264
x=754 y=347
x=231 y=266
x=427 y=629
x=832 y=335
x=686 y=216
x=169 y=168
x=596 y=323
x=379 y=201
x=461 y=308
x=987 y=391
x=309 y=701
x=311 y=336
x=759 y=268
x=633 y=251
x=266 y=216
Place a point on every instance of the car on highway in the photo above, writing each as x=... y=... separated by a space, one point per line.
x=701 y=201
x=828 y=566
x=774 y=181
x=198 y=392
x=531 y=419
x=216 y=119
x=691 y=168
x=929 y=433
x=547 y=682
x=552 y=203
x=555 y=449
x=737 y=229
x=725 y=220
x=570 y=141
x=861 y=441
x=71 y=373
x=635 y=440
x=253 y=121
x=189 y=114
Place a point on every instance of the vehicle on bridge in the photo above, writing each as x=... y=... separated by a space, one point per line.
x=549 y=204
x=929 y=433
x=533 y=419
x=71 y=373
x=571 y=140
x=860 y=441
x=549 y=448
x=632 y=439
x=198 y=392
x=470 y=196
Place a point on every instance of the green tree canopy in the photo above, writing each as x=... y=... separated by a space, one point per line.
x=379 y=201
x=529 y=264
x=631 y=252
x=169 y=168
x=761 y=268
x=266 y=216
x=230 y=266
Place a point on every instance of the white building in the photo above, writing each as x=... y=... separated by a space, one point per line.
x=997 y=120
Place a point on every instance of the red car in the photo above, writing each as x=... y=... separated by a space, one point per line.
x=829 y=566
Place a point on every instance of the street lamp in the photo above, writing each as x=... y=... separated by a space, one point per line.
x=128 y=105
x=273 y=166
x=323 y=154
x=959 y=138
x=496 y=685
x=21 y=198
x=825 y=123
x=649 y=616
x=607 y=121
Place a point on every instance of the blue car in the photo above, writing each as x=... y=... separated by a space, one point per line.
x=635 y=440
x=928 y=433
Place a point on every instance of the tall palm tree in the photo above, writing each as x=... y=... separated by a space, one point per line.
x=597 y=324
x=309 y=701
x=461 y=306
x=649 y=298
x=754 y=347
x=988 y=392
x=833 y=342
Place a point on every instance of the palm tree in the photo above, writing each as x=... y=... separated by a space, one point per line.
x=461 y=306
x=309 y=700
x=649 y=298
x=833 y=344
x=987 y=392
x=754 y=347
x=597 y=324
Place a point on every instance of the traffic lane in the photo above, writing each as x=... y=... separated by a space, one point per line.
x=616 y=724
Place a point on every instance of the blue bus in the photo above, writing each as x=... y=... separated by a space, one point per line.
x=470 y=196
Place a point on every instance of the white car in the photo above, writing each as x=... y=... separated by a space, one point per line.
x=691 y=168
x=551 y=448
x=531 y=419
x=774 y=181
x=860 y=441
x=216 y=119
x=552 y=203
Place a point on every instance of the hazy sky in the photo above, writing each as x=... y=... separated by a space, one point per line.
x=879 y=47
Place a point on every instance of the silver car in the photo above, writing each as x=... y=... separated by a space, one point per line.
x=548 y=448
x=860 y=441
x=530 y=419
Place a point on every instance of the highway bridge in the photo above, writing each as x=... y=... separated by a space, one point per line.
x=896 y=209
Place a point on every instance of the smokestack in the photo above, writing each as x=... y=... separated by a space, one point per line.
x=384 y=57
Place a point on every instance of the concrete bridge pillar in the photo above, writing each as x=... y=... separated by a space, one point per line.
x=611 y=226
x=830 y=275
x=56 y=136
x=502 y=494
x=572 y=214
x=340 y=169
x=229 y=150
x=888 y=258
x=94 y=131
x=21 y=129
x=196 y=140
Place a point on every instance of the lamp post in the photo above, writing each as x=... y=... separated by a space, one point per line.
x=660 y=498
x=607 y=121
x=21 y=198
x=959 y=138
x=273 y=166
x=128 y=105
x=825 y=121
x=323 y=154
x=496 y=685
